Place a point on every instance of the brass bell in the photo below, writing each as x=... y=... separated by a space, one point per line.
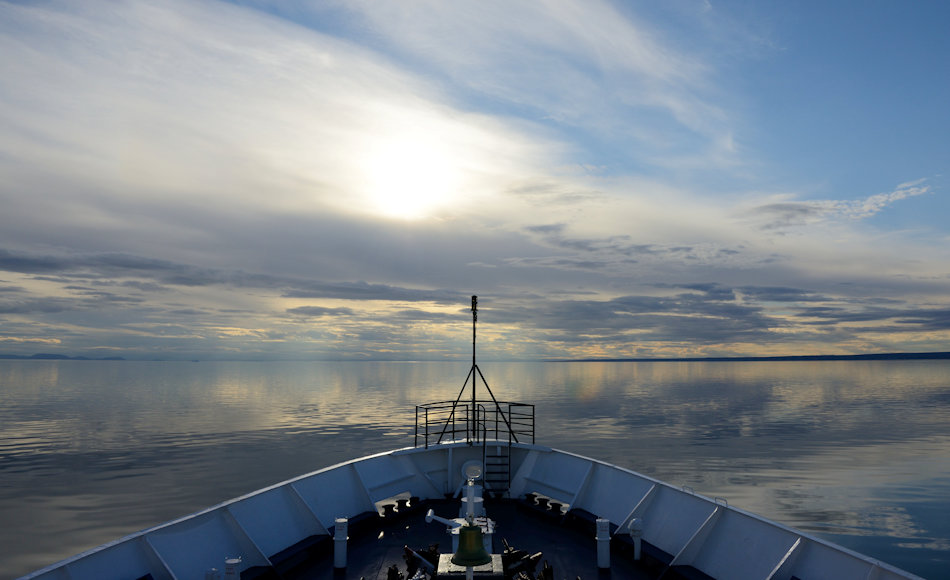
x=471 y=550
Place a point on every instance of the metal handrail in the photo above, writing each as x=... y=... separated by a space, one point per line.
x=445 y=421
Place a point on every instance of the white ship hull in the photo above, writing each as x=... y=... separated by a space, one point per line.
x=691 y=530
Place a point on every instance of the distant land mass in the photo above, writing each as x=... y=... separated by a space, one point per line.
x=50 y=356
x=810 y=357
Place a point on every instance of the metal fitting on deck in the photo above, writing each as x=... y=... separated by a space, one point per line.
x=339 y=542
x=636 y=533
x=603 y=543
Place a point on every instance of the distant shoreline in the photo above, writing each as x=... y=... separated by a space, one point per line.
x=815 y=357
x=46 y=356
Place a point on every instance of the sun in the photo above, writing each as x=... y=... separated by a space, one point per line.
x=410 y=177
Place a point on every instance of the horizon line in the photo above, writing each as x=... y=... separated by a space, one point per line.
x=938 y=355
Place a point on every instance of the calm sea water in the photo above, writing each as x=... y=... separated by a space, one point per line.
x=855 y=452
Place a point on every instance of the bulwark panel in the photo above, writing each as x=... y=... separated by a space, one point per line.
x=737 y=538
x=672 y=517
x=612 y=493
x=275 y=519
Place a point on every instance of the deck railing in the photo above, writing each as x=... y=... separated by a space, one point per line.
x=447 y=421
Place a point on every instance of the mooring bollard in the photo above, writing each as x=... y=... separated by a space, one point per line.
x=636 y=532
x=339 y=542
x=231 y=568
x=603 y=543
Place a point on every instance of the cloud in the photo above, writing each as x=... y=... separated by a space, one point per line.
x=709 y=314
x=786 y=215
x=29 y=340
x=780 y=294
x=876 y=203
x=112 y=264
x=365 y=291
x=13 y=262
x=903 y=319
x=207 y=109
x=111 y=269
x=186 y=313
x=416 y=314
x=37 y=305
x=588 y=68
x=319 y=311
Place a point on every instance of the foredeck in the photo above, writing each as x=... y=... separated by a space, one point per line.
x=567 y=544
x=286 y=531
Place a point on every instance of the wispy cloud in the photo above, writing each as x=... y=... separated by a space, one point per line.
x=214 y=108
x=34 y=340
x=318 y=311
x=783 y=215
x=589 y=67
x=877 y=203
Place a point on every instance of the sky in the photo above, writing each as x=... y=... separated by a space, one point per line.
x=334 y=180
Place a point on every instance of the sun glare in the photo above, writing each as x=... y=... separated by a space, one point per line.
x=410 y=178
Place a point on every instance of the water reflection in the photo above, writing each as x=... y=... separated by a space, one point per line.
x=858 y=452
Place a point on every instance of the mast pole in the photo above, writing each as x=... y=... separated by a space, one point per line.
x=474 y=365
x=474 y=320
